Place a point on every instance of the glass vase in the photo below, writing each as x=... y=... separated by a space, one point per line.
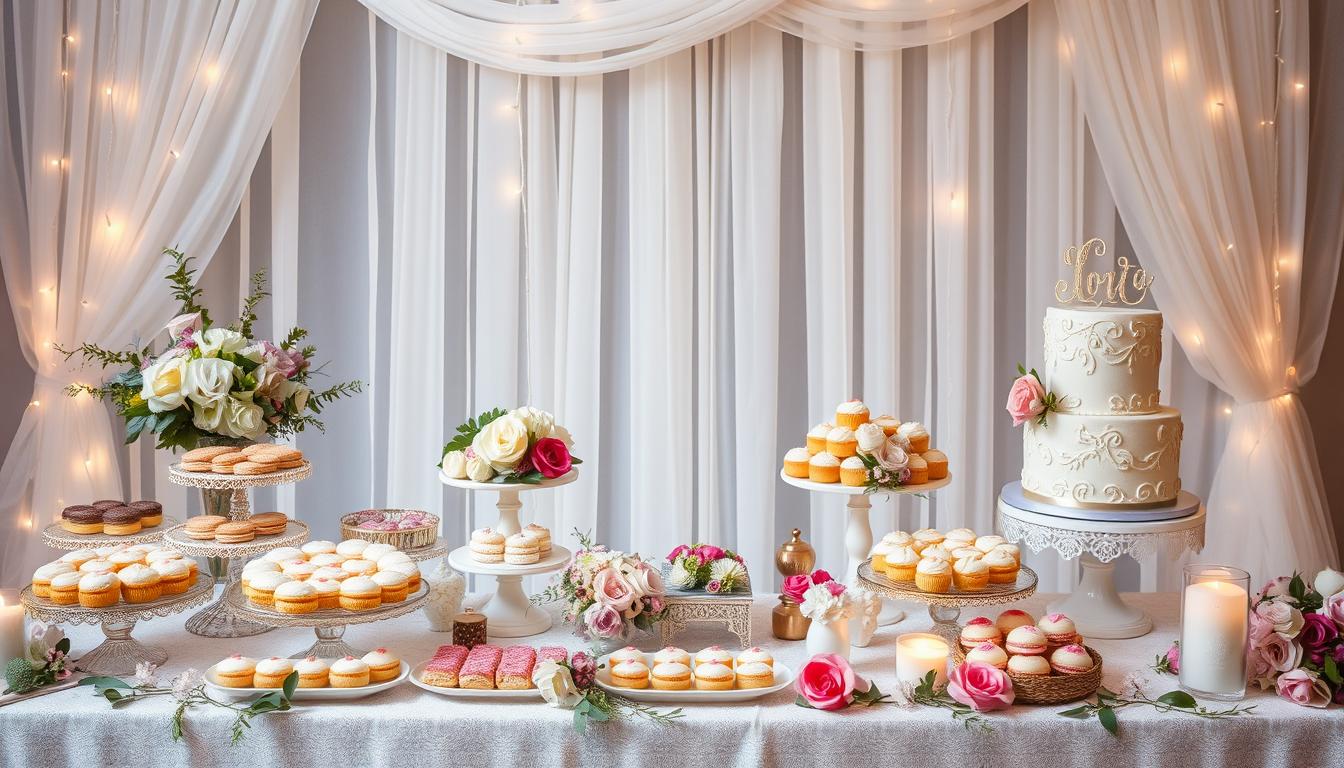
x=1215 y=626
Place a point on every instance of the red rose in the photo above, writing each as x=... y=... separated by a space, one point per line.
x=795 y=586
x=550 y=457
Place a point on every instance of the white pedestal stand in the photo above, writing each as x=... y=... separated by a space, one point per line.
x=859 y=530
x=1095 y=604
x=508 y=612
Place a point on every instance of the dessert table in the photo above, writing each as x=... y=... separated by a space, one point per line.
x=408 y=727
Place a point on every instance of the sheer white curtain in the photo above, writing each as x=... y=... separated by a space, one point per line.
x=1207 y=155
x=138 y=127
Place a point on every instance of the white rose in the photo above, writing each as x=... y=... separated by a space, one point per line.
x=1329 y=582
x=647 y=582
x=479 y=470
x=163 y=380
x=870 y=437
x=538 y=422
x=254 y=352
x=189 y=321
x=218 y=341
x=562 y=434
x=556 y=685
x=503 y=442
x=269 y=380
x=208 y=418
x=455 y=465
x=208 y=380
x=243 y=419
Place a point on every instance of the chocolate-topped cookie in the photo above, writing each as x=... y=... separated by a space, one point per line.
x=120 y=521
x=106 y=504
x=83 y=513
x=146 y=507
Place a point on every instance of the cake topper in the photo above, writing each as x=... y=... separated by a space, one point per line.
x=1098 y=288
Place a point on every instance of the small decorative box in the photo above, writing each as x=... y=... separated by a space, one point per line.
x=469 y=628
x=730 y=609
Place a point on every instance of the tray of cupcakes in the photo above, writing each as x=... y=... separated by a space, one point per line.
x=485 y=671
x=1046 y=659
x=712 y=676
x=861 y=453
x=954 y=565
x=324 y=580
x=239 y=677
x=139 y=574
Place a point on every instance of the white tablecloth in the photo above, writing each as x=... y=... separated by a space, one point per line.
x=408 y=727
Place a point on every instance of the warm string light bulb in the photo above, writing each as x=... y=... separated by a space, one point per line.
x=1299 y=86
x=1227 y=410
x=954 y=202
x=174 y=153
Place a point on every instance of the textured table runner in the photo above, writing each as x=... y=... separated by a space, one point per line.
x=407 y=727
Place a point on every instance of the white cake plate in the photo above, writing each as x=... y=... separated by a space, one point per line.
x=1095 y=604
x=508 y=612
x=859 y=531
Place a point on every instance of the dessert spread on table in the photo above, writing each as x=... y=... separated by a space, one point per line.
x=355 y=574
x=103 y=577
x=251 y=460
x=112 y=517
x=940 y=562
x=377 y=666
x=487 y=666
x=674 y=669
x=859 y=451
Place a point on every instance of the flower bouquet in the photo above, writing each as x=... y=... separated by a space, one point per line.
x=212 y=381
x=707 y=567
x=1296 y=645
x=573 y=685
x=524 y=445
x=45 y=662
x=606 y=593
x=886 y=457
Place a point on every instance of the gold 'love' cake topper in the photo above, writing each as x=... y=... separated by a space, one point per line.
x=1098 y=288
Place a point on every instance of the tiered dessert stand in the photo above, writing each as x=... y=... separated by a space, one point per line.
x=217 y=491
x=1097 y=537
x=328 y=625
x=508 y=611
x=119 y=653
x=56 y=537
x=859 y=531
x=945 y=607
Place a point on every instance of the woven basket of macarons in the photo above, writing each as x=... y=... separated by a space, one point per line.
x=402 y=528
x=1052 y=686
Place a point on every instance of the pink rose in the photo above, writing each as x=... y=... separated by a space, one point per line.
x=612 y=589
x=1259 y=669
x=1174 y=657
x=713 y=587
x=1026 y=400
x=1281 y=653
x=678 y=552
x=1304 y=688
x=603 y=621
x=1260 y=629
x=820 y=577
x=1276 y=588
x=1334 y=608
x=1285 y=619
x=795 y=586
x=709 y=553
x=826 y=682
x=551 y=457
x=980 y=686
x=188 y=324
x=893 y=457
x=836 y=588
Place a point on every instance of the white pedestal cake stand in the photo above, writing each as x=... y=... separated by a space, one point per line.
x=119 y=653
x=508 y=612
x=859 y=530
x=217 y=620
x=1095 y=604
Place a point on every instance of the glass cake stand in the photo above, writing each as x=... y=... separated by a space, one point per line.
x=508 y=612
x=56 y=537
x=119 y=653
x=328 y=625
x=859 y=530
x=945 y=607
x=226 y=495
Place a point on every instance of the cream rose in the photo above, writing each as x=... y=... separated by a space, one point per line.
x=163 y=383
x=218 y=341
x=208 y=380
x=269 y=380
x=503 y=442
x=478 y=469
x=556 y=685
x=242 y=419
x=537 y=421
x=254 y=352
x=209 y=417
x=870 y=437
x=455 y=465
x=1329 y=583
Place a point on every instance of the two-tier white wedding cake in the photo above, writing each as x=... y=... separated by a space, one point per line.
x=1109 y=442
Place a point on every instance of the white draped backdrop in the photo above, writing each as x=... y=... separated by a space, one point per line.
x=741 y=212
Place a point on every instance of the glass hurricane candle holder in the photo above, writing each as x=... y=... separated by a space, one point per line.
x=918 y=654
x=1215 y=622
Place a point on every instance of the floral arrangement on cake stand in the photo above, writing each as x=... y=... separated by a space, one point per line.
x=509 y=452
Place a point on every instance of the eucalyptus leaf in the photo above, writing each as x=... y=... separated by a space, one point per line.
x=1081 y=713
x=1108 y=720
x=1179 y=699
x=102 y=681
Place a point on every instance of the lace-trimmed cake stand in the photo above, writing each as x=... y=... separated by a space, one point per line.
x=208 y=621
x=945 y=607
x=859 y=531
x=216 y=620
x=119 y=653
x=1095 y=604
x=508 y=612
x=56 y=537
x=328 y=625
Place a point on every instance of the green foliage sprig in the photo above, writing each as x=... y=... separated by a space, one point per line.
x=1108 y=704
x=248 y=316
x=467 y=431
x=928 y=695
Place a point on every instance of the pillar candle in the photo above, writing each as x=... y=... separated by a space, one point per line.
x=917 y=655
x=1214 y=624
x=12 y=639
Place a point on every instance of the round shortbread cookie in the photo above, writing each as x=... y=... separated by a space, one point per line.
x=229 y=458
x=278 y=453
x=252 y=468
x=197 y=466
x=252 y=449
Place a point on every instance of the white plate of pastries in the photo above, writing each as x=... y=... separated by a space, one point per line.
x=322 y=577
x=239 y=677
x=713 y=675
x=831 y=454
x=485 y=670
